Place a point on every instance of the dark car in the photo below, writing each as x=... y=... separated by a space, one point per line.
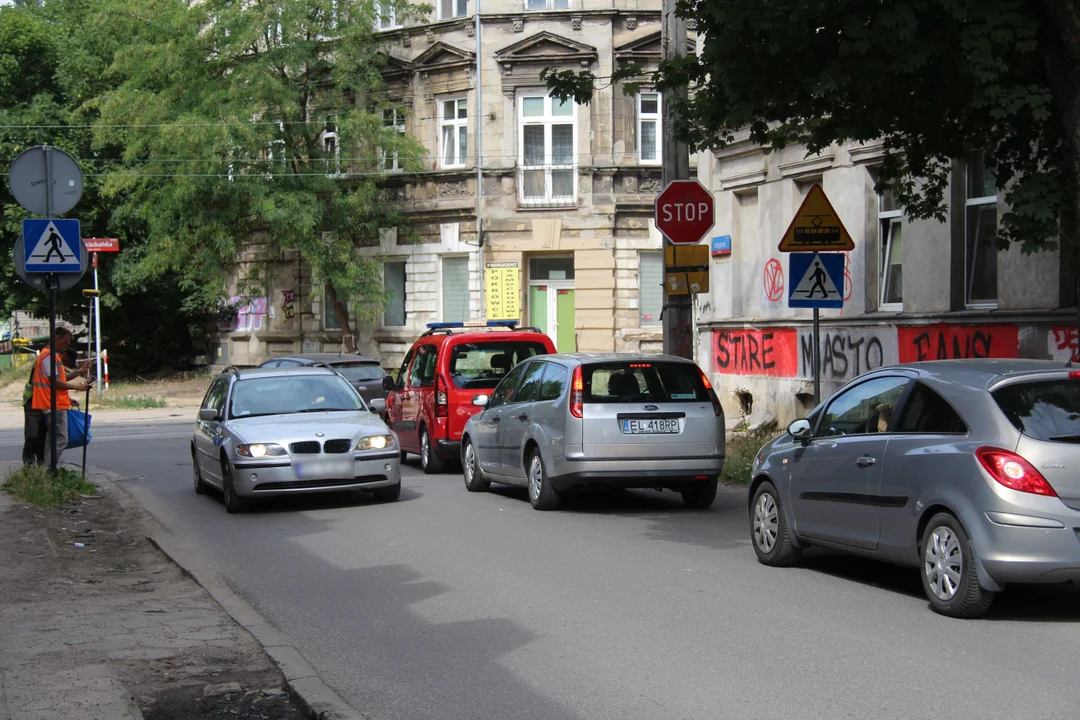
x=365 y=373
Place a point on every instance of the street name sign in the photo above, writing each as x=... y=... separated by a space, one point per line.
x=684 y=212
x=816 y=227
x=98 y=245
x=817 y=280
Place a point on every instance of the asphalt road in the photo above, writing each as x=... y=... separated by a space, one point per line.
x=449 y=605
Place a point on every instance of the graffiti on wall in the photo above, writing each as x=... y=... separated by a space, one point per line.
x=956 y=342
x=755 y=352
x=287 y=305
x=249 y=316
x=773 y=281
x=847 y=353
x=1061 y=343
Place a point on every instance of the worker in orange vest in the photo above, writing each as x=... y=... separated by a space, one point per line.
x=43 y=389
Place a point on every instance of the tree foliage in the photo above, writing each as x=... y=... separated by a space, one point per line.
x=934 y=80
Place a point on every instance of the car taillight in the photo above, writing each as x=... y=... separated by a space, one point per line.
x=441 y=405
x=577 y=393
x=716 y=408
x=1013 y=471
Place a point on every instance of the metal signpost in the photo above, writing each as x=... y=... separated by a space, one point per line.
x=815 y=273
x=50 y=255
x=95 y=246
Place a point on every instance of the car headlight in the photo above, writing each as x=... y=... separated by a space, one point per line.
x=258 y=450
x=375 y=442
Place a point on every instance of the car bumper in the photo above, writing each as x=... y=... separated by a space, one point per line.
x=632 y=473
x=369 y=471
x=1025 y=548
x=448 y=448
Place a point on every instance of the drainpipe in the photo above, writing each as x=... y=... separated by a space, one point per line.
x=479 y=164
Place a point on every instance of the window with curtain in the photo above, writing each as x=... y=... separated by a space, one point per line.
x=455 y=289
x=395 y=119
x=394 y=278
x=385 y=15
x=890 y=253
x=650 y=287
x=548 y=173
x=330 y=146
x=547 y=4
x=454 y=120
x=980 y=251
x=453 y=8
x=648 y=128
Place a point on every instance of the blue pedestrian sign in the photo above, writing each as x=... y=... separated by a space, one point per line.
x=817 y=280
x=52 y=246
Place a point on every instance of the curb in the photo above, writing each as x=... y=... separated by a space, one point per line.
x=311 y=693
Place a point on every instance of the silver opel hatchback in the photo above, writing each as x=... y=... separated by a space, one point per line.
x=561 y=422
x=966 y=469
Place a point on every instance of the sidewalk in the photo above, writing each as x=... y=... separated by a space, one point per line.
x=112 y=629
x=11 y=416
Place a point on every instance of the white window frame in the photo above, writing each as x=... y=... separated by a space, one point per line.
x=548 y=5
x=460 y=8
x=330 y=139
x=886 y=220
x=458 y=125
x=385 y=17
x=658 y=118
x=548 y=120
x=397 y=121
x=970 y=202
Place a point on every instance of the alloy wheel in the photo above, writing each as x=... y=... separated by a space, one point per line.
x=468 y=467
x=425 y=450
x=943 y=561
x=536 y=477
x=766 y=523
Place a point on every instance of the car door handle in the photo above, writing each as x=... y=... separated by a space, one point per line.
x=523 y=417
x=496 y=419
x=865 y=461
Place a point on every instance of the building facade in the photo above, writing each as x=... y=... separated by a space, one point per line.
x=560 y=234
x=913 y=289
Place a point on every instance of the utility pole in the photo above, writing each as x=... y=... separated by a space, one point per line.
x=678 y=312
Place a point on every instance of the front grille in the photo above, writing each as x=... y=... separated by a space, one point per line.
x=307 y=447
x=337 y=446
x=304 y=484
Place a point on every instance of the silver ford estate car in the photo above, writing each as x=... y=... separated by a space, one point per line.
x=279 y=431
x=966 y=469
x=556 y=423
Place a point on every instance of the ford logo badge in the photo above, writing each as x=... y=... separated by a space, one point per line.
x=652 y=407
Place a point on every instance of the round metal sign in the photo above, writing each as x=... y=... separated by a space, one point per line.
x=40 y=281
x=30 y=188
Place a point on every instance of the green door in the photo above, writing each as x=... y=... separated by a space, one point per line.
x=564 y=312
x=538 y=307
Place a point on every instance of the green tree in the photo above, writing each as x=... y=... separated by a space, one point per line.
x=218 y=112
x=934 y=79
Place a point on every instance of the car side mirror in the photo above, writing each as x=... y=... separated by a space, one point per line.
x=377 y=406
x=208 y=414
x=800 y=430
x=388 y=383
x=480 y=400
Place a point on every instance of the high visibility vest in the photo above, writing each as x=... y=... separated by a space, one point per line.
x=42 y=386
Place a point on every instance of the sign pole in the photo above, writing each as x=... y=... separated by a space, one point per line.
x=86 y=406
x=97 y=329
x=52 y=282
x=817 y=357
x=677 y=310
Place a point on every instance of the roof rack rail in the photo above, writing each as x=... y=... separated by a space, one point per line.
x=232 y=368
x=449 y=327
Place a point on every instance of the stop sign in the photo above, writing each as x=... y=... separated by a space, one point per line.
x=684 y=211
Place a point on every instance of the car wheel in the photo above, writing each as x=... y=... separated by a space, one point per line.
x=700 y=495
x=541 y=494
x=388 y=494
x=949 y=578
x=200 y=485
x=769 y=530
x=404 y=455
x=429 y=460
x=233 y=502
x=470 y=469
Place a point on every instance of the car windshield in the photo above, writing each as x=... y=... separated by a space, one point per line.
x=1046 y=410
x=360 y=372
x=483 y=364
x=628 y=382
x=288 y=394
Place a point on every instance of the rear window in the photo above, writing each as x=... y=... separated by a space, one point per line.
x=481 y=365
x=360 y=372
x=1048 y=410
x=630 y=382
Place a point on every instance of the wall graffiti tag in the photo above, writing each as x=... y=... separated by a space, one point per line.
x=249 y=316
x=755 y=352
x=1062 y=343
x=956 y=342
x=847 y=353
x=287 y=306
x=774 y=280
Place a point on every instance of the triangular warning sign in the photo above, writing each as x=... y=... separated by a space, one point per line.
x=816 y=227
x=52 y=250
x=816 y=284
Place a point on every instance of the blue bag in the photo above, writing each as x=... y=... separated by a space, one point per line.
x=78 y=428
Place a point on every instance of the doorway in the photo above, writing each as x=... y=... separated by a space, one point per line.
x=551 y=299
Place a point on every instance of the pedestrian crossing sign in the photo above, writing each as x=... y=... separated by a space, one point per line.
x=52 y=246
x=817 y=280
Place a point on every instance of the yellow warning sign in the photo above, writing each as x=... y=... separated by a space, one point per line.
x=816 y=227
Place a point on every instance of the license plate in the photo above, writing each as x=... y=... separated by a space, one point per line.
x=650 y=427
x=323 y=468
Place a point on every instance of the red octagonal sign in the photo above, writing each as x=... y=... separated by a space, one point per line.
x=684 y=211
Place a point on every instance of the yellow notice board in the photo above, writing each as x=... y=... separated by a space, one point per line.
x=502 y=290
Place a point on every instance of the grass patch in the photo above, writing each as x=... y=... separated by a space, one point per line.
x=11 y=375
x=742 y=448
x=35 y=484
x=127 y=402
